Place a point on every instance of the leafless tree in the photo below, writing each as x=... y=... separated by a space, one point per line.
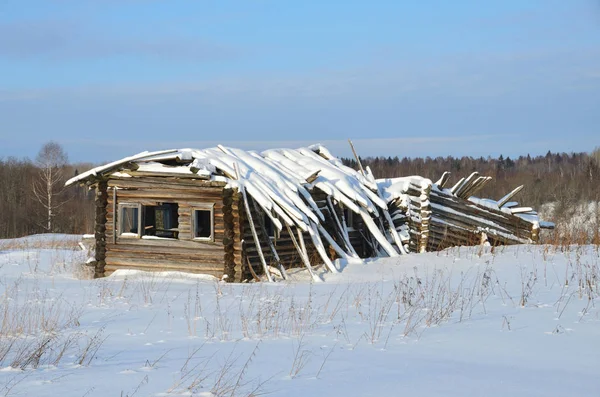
x=49 y=186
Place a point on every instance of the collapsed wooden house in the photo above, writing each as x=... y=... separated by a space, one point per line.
x=434 y=217
x=237 y=214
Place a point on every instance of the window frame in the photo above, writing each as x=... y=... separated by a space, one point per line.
x=275 y=235
x=348 y=218
x=203 y=207
x=161 y=206
x=121 y=207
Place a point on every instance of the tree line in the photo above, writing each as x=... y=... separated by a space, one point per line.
x=565 y=179
x=33 y=198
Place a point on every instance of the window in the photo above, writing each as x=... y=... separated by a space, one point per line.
x=349 y=218
x=129 y=223
x=161 y=220
x=270 y=227
x=203 y=221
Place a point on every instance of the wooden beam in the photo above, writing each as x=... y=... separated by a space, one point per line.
x=443 y=179
x=357 y=158
x=510 y=195
x=261 y=223
x=301 y=248
x=253 y=229
x=458 y=184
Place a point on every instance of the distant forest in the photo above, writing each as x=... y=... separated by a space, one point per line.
x=563 y=178
x=27 y=186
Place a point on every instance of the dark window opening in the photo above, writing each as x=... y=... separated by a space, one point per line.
x=203 y=224
x=161 y=220
x=348 y=218
x=269 y=226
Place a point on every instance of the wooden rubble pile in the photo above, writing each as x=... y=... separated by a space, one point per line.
x=432 y=217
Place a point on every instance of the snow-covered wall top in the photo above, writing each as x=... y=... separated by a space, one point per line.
x=397 y=189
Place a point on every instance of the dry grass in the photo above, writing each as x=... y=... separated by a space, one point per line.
x=27 y=243
x=38 y=329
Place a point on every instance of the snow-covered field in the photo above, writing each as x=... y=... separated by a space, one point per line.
x=521 y=321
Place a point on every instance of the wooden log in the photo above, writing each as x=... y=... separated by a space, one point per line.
x=161 y=182
x=381 y=239
x=263 y=228
x=162 y=266
x=302 y=251
x=166 y=174
x=458 y=185
x=101 y=200
x=510 y=195
x=466 y=207
x=114 y=210
x=478 y=184
x=342 y=231
x=443 y=179
x=362 y=171
x=466 y=184
x=521 y=210
x=253 y=230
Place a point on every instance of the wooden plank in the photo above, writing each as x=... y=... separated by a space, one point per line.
x=443 y=180
x=184 y=250
x=165 y=181
x=173 y=259
x=510 y=195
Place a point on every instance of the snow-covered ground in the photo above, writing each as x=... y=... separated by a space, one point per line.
x=521 y=321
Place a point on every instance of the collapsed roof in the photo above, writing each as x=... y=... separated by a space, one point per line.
x=279 y=180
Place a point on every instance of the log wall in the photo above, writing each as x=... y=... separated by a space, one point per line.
x=437 y=219
x=184 y=253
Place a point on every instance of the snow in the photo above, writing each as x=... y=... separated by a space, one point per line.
x=394 y=188
x=460 y=322
x=575 y=218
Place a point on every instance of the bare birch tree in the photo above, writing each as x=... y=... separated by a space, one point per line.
x=51 y=161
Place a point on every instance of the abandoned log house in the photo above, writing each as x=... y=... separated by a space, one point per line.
x=236 y=214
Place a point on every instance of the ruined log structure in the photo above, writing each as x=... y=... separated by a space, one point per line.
x=240 y=215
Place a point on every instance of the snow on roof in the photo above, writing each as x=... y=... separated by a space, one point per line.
x=279 y=180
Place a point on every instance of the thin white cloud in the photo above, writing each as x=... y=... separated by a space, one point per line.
x=67 y=41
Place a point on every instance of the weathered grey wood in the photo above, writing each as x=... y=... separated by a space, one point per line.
x=253 y=229
x=302 y=251
x=362 y=171
x=521 y=210
x=342 y=231
x=313 y=232
x=458 y=185
x=175 y=183
x=101 y=200
x=114 y=217
x=510 y=195
x=196 y=244
x=466 y=184
x=177 y=175
x=443 y=179
x=261 y=223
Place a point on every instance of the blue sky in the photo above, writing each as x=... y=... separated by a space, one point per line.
x=109 y=78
